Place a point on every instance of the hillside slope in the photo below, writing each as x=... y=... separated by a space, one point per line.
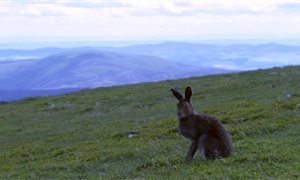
x=85 y=134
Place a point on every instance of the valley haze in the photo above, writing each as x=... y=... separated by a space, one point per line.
x=57 y=70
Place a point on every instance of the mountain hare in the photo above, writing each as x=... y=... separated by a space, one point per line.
x=206 y=133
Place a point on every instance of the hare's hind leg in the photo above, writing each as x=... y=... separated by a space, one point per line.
x=191 y=153
x=201 y=146
x=209 y=147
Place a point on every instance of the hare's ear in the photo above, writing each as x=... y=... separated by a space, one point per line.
x=188 y=93
x=177 y=94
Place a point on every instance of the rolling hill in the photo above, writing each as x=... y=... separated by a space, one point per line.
x=12 y=95
x=89 y=134
x=19 y=54
x=236 y=56
x=89 y=69
x=59 y=69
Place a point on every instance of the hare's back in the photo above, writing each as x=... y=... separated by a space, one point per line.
x=216 y=131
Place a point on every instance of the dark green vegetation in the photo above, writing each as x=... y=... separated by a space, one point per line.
x=85 y=134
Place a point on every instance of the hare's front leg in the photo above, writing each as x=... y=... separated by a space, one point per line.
x=190 y=155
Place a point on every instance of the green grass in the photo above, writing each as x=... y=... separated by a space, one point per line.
x=85 y=134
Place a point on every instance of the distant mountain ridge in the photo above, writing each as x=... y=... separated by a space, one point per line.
x=97 y=68
x=11 y=95
x=89 y=67
x=27 y=54
x=236 y=56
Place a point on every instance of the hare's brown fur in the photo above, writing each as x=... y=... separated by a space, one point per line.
x=206 y=133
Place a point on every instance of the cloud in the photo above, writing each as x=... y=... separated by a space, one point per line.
x=39 y=9
x=289 y=7
x=118 y=8
x=148 y=18
x=216 y=7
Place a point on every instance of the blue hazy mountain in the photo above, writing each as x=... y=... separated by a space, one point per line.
x=238 y=56
x=10 y=95
x=17 y=54
x=85 y=67
x=82 y=69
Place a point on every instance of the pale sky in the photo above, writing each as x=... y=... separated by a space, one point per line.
x=148 y=19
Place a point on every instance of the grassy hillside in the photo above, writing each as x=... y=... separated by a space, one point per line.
x=85 y=134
